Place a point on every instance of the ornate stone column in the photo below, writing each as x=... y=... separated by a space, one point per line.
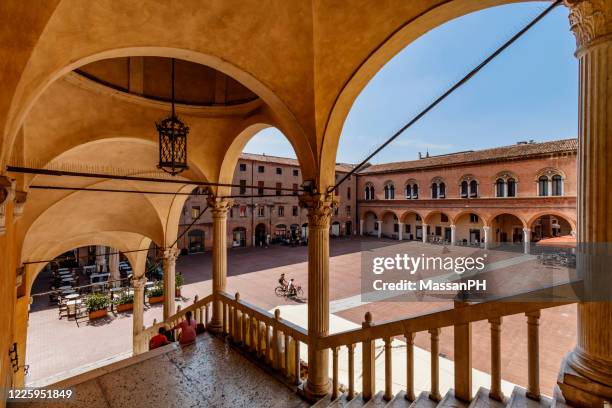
x=400 y=231
x=453 y=228
x=586 y=375
x=379 y=230
x=219 y=208
x=100 y=258
x=424 y=230
x=361 y=227
x=169 y=264
x=138 y=315
x=487 y=236
x=526 y=240
x=319 y=208
x=113 y=265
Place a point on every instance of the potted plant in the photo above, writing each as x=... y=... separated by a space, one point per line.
x=178 y=284
x=156 y=293
x=97 y=304
x=124 y=302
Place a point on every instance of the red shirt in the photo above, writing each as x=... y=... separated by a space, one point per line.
x=158 y=341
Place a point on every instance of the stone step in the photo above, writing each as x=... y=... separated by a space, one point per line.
x=399 y=401
x=377 y=401
x=482 y=400
x=423 y=401
x=340 y=402
x=323 y=402
x=519 y=399
x=450 y=401
x=356 y=402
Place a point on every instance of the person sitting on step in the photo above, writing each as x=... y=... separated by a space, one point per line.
x=159 y=339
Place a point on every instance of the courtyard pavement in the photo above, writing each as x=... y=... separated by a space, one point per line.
x=57 y=346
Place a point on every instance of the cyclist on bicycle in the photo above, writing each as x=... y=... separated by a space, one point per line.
x=282 y=281
x=291 y=291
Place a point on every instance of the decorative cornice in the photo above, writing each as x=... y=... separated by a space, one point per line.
x=320 y=207
x=590 y=20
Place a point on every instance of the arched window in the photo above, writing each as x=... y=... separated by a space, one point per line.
x=434 y=190
x=543 y=186
x=557 y=185
x=408 y=191
x=415 y=191
x=511 y=188
x=369 y=192
x=464 y=189
x=442 y=190
x=389 y=191
x=473 y=188
x=499 y=188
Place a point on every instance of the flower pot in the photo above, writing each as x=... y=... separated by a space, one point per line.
x=156 y=299
x=125 y=307
x=97 y=314
x=177 y=292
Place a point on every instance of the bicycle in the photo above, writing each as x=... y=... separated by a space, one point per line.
x=282 y=291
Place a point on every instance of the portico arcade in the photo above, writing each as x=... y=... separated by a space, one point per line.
x=306 y=68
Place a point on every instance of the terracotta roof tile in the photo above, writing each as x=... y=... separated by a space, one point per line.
x=517 y=151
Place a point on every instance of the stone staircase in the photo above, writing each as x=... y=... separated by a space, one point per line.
x=518 y=399
x=206 y=374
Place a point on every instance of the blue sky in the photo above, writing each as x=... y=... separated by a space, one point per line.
x=529 y=92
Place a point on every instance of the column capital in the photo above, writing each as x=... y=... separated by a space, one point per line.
x=486 y=228
x=139 y=282
x=171 y=253
x=319 y=208
x=453 y=226
x=218 y=206
x=526 y=229
x=590 y=20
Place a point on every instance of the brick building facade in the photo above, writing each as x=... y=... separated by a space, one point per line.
x=269 y=211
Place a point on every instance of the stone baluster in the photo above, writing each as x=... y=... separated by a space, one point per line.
x=463 y=358
x=496 y=391
x=368 y=351
x=334 y=394
x=320 y=207
x=297 y=367
x=533 y=355
x=434 y=394
x=275 y=342
x=388 y=370
x=351 y=371
x=287 y=354
x=219 y=208
x=269 y=351
x=409 y=366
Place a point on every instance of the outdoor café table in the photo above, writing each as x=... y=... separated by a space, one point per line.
x=62 y=273
x=72 y=296
x=67 y=292
x=65 y=287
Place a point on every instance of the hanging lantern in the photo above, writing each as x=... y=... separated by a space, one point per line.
x=172 y=141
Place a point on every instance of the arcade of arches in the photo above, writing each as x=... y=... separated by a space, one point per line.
x=83 y=84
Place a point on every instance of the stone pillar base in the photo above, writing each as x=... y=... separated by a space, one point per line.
x=580 y=391
x=317 y=394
